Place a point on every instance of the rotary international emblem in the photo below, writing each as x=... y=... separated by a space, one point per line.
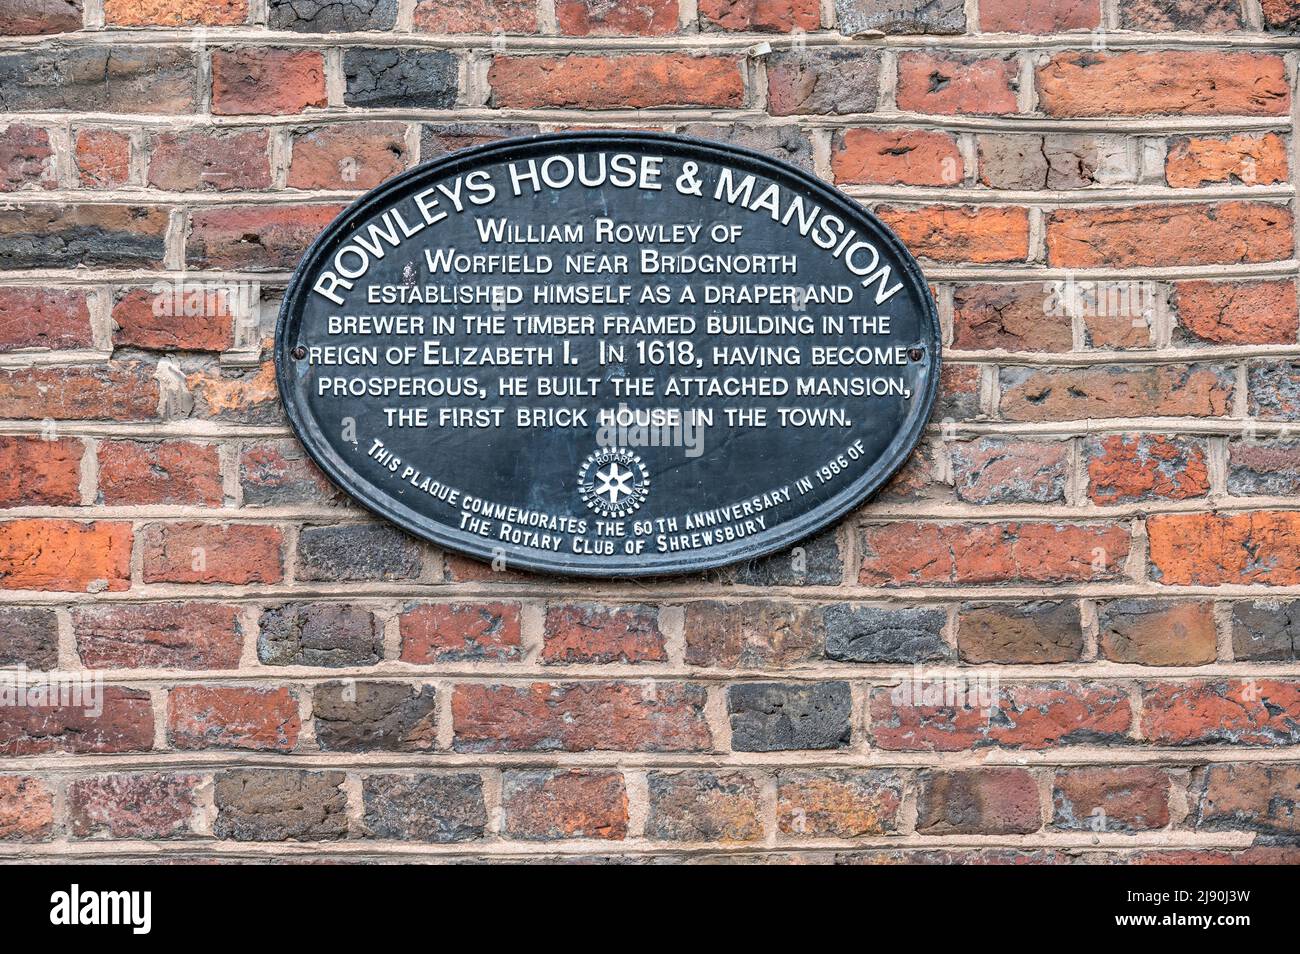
x=613 y=482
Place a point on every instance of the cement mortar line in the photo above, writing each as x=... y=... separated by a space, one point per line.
x=639 y=118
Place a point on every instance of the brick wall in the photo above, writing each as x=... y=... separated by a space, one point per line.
x=1100 y=533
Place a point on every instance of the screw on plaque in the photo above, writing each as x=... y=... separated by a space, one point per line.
x=915 y=354
x=300 y=352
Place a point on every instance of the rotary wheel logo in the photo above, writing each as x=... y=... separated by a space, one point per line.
x=614 y=483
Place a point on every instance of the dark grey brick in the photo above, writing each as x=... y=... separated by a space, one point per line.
x=374 y=717
x=116 y=79
x=814 y=562
x=1266 y=630
x=280 y=804
x=901 y=16
x=433 y=808
x=384 y=76
x=319 y=634
x=442 y=139
x=368 y=551
x=29 y=636
x=331 y=16
x=870 y=634
x=774 y=716
x=788 y=143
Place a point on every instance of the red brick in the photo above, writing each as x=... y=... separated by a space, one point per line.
x=351 y=156
x=120 y=392
x=174 y=319
x=632 y=80
x=1039 y=16
x=1126 y=468
x=995 y=470
x=574 y=717
x=33 y=17
x=175 y=12
x=26 y=159
x=1198 y=16
x=1012 y=317
x=279 y=471
x=158 y=635
x=753 y=634
x=1230 y=711
x=704 y=806
x=441 y=632
x=1245 y=158
x=267 y=81
x=1259 y=798
x=838 y=803
x=212 y=553
x=33 y=317
x=255 y=236
x=949 y=85
x=1210 y=549
x=1181 y=82
x=159 y=472
x=1192 y=234
x=1038 y=716
x=990 y=801
x=616 y=17
x=1238 y=312
x=896 y=157
x=476 y=16
x=103 y=158
x=961 y=233
x=35 y=472
x=134 y=805
x=123 y=723
x=549 y=805
x=1070 y=394
x=26 y=808
x=760 y=16
x=1282 y=15
x=232 y=717
x=912 y=553
x=195 y=160
x=64 y=555
x=1107 y=800
x=592 y=633
x=1157 y=632
x=1010 y=633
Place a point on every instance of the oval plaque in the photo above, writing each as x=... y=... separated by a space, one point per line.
x=608 y=354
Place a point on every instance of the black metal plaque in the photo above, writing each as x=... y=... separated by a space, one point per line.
x=608 y=354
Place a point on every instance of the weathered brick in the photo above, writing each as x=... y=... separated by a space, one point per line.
x=159 y=472
x=212 y=553
x=906 y=553
x=175 y=319
x=158 y=635
x=330 y=635
x=1056 y=162
x=103 y=158
x=1237 y=312
x=424 y=807
x=789 y=143
x=113 y=719
x=476 y=16
x=959 y=392
x=987 y=801
x=957 y=233
x=1262 y=798
x=1273 y=389
x=942 y=716
x=885 y=634
x=357 y=551
x=1127 y=468
x=35 y=472
x=356 y=716
x=1039 y=16
x=1008 y=318
x=71 y=236
x=775 y=716
x=1245 y=158
x=1261 y=547
x=170 y=13
x=856 y=17
x=1157 y=632
x=996 y=470
x=1034 y=633
x=31 y=637
x=574 y=717
x=65 y=555
x=1281 y=16
x=98 y=79
x=1200 y=16
x=243 y=395
x=198 y=160
x=1108 y=799
x=814 y=562
x=347 y=156
x=1266 y=630
x=384 y=76
x=1075 y=394
x=1231 y=712
x=704 y=806
x=124 y=391
x=819 y=80
x=449 y=632
x=26 y=159
x=276 y=472
x=134 y=805
x=233 y=717
x=548 y=805
x=616 y=17
x=26 y=805
x=279 y=805
x=760 y=16
x=838 y=803
x=265 y=80
x=442 y=139
x=254 y=237
x=594 y=633
x=896 y=157
x=331 y=16
x=752 y=634
x=625 y=81
x=950 y=84
x=1184 y=82
x=1191 y=234
x=33 y=17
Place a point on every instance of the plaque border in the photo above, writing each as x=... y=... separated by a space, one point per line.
x=747 y=549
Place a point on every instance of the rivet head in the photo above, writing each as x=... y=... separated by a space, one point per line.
x=915 y=354
x=300 y=352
